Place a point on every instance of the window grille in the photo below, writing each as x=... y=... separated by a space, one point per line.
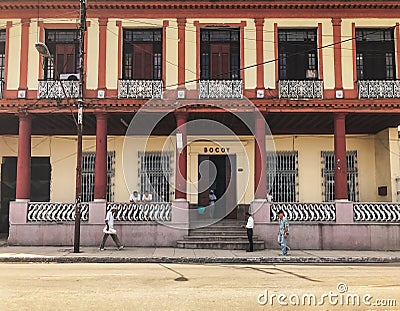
x=88 y=168
x=155 y=173
x=282 y=176
x=328 y=176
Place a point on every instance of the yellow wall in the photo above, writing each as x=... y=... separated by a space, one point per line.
x=387 y=155
x=92 y=59
x=377 y=157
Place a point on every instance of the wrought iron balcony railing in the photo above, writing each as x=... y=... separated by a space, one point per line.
x=58 y=89
x=379 y=89
x=220 y=89
x=140 y=89
x=300 y=89
x=1 y=88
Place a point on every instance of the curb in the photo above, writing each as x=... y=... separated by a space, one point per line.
x=203 y=260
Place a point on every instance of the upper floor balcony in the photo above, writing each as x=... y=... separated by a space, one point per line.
x=145 y=89
x=379 y=89
x=300 y=89
x=58 y=89
x=220 y=89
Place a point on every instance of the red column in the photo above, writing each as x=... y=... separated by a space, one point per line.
x=23 y=69
x=337 y=51
x=259 y=47
x=100 y=173
x=102 y=53
x=23 y=191
x=181 y=51
x=260 y=178
x=181 y=163
x=340 y=156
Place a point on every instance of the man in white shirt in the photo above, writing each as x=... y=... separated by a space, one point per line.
x=249 y=227
x=135 y=197
x=109 y=229
x=147 y=197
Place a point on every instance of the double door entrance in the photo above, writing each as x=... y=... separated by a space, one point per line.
x=218 y=173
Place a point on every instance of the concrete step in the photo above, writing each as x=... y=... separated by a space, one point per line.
x=217 y=238
x=220 y=228
x=218 y=233
x=258 y=245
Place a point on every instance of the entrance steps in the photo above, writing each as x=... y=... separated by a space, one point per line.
x=226 y=234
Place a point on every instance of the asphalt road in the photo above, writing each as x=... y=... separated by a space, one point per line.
x=198 y=287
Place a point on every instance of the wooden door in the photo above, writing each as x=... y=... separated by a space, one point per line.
x=220 y=61
x=143 y=61
x=65 y=58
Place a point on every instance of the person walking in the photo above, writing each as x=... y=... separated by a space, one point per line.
x=283 y=233
x=109 y=230
x=249 y=228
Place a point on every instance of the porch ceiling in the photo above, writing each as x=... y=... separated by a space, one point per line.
x=279 y=123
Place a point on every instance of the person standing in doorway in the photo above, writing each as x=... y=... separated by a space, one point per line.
x=249 y=228
x=109 y=230
x=212 y=198
x=283 y=233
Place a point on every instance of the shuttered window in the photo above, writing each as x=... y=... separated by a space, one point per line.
x=64 y=47
x=220 y=57
x=142 y=56
x=375 y=54
x=297 y=54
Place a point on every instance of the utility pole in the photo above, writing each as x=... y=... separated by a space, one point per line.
x=80 y=104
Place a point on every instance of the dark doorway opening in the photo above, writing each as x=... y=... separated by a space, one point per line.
x=40 y=184
x=217 y=173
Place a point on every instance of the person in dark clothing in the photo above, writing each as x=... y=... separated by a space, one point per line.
x=249 y=227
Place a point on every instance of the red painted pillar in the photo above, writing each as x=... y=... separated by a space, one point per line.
x=340 y=156
x=23 y=191
x=260 y=178
x=100 y=173
x=181 y=163
x=259 y=51
x=181 y=51
x=337 y=51
x=103 y=22
x=23 y=69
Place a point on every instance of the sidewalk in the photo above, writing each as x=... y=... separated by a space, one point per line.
x=64 y=254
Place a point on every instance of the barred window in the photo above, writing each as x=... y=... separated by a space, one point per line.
x=282 y=176
x=88 y=166
x=328 y=176
x=155 y=173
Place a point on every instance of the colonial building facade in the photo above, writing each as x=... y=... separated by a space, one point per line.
x=318 y=82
